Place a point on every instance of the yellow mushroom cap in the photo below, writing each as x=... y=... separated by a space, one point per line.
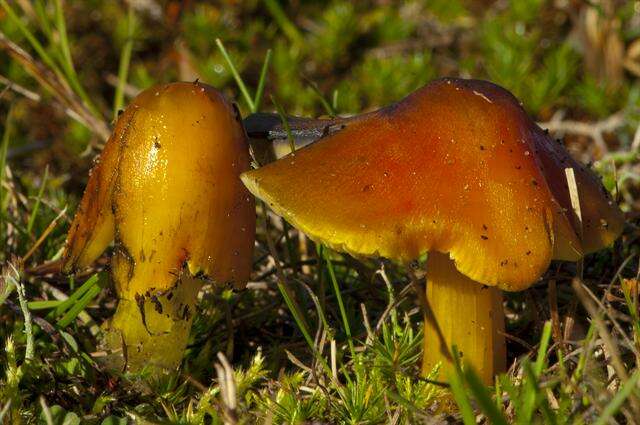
x=456 y=167
x=167 y=189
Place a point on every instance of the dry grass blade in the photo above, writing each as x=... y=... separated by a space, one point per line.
x=367 y=325
x=57 y=87
x=607 y=338
x=31 y=95
x=296 y=361
x=227 y=384
x=574 y=196
x=44 y=235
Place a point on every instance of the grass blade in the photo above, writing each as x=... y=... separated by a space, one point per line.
x=43 y=20
x=530 y=396
x=76 y=308
x=459 y=393
x=61 y=26
x=297 y=316
x=36 y=206
x=582 y=360
x=236 y=76
x=73 y=298
x=542 y=349
x=483 y=398
x=325 y=104
x=125 y=62
x=285 y=124
x=33 y=41
x=67 y=61
x=616 y=402
x=336 y=290
x=283 y=21
x=4 y=148
x=44 y=305
x=262 y=81
x=22 y=298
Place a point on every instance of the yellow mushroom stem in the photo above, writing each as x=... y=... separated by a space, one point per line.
x=152 y=331
x=467 y=314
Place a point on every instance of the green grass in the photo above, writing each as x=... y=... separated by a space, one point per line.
x=317 y=336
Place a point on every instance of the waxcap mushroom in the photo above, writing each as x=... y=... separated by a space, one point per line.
x=456 y=167
x=457 y=170
x=166 y=190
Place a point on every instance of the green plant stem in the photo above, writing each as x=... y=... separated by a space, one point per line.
x=14 y=275
x=257 y=100
x=343 y=312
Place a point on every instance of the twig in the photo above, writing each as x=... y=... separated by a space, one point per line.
x=594 y=130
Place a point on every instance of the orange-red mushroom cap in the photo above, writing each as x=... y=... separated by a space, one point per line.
x=167 y=189
x=456 y=167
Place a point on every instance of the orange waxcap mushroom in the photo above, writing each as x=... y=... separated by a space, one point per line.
x=457 y=168
x=167 y=190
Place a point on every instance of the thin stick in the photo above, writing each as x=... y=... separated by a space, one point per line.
x=593 y=130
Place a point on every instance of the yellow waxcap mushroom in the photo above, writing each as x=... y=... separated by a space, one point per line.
x=459 y=170
x=166 y=190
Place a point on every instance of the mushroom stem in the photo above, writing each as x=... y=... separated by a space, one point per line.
x=466 y=314
x=152 y=331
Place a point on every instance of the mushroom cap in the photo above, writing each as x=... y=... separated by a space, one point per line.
x=456 y=167
x=167 y=189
